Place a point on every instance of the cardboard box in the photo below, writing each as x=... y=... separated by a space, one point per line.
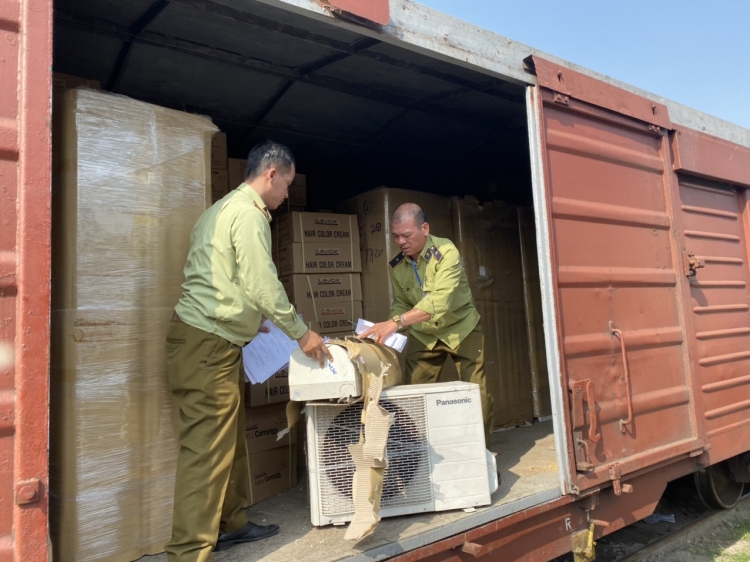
x=262 y=426
x=236 y=169
x=317 y=228
x=298 y=191
x=329 y=303
x=62 y=81
x=272 y=472
x=319 y=257
x=322 y=288
x=219 y=151
x=488 y=239
x=219 y=184
x=275 y=389
x=373 y=210
x=331 y=318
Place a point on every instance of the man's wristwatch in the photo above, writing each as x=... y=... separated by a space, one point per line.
x=399 y=323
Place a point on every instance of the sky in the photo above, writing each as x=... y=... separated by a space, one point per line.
x=695 y=52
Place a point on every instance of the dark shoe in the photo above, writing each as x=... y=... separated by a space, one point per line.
x=249 y=533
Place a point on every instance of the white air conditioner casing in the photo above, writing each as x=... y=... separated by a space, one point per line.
x=307 y=381
x=436 y=453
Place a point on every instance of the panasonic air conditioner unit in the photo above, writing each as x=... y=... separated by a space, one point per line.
x=436 y=453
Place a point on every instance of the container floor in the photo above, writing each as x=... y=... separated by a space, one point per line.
x=528 y=464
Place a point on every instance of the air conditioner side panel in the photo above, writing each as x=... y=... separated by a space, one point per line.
x=457 y=449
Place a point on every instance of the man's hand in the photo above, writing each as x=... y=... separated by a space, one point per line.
x=380 y=332
x=312 y=345
x=263 y=329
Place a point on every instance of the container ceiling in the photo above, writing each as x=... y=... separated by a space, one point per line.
x=357 y=112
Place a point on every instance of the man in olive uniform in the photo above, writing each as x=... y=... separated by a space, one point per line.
x=433 y=299
x=230 y=284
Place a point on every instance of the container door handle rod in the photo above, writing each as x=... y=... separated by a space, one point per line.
x=626 y=369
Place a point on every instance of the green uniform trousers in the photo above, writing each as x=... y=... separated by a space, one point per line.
x=212 y=485
x=423 y=366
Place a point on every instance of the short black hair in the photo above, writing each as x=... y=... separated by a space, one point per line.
x=268 y=154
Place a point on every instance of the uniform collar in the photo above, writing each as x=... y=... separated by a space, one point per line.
x=427 y=245
x=253 y=195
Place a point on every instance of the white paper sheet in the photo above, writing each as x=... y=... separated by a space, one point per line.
x=395 y=341
x=266 y=354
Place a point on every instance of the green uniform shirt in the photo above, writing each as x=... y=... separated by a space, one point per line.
x=230 y=278
x=444 y=293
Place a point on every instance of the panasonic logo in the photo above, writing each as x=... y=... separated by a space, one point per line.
x=453 y=402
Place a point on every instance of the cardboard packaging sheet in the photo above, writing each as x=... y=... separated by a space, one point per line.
x=129 y=183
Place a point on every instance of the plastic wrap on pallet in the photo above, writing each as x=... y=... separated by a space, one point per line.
x=487 y=238
x=532 y=291
x=130 y=180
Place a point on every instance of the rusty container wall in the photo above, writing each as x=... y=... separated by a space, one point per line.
x=487 y=237
x=532 y=296
x=25 y=59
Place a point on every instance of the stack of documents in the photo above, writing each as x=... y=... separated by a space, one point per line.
x=267 y=354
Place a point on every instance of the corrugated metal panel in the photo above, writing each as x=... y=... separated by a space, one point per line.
x=25 y=60
x=710 y=157
x=619 y=304
x=714 y=231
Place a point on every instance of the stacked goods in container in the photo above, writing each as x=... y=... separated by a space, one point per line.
x=219 y=168
x=236 y=172
x=317 y=255
x=487 y=237
x=532 y=294
x=129 y=184
x=272 y=463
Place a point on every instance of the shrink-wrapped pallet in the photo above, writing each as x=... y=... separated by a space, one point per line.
x=130 y=180
x=487 y=238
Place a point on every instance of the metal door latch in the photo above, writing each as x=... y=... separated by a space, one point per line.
x=692 y=263
x=617 y=486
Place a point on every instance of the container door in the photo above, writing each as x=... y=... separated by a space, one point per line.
x=715 y=265
x=611 y=266
x=25 y=60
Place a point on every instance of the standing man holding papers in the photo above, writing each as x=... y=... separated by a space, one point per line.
x=230 y=284
x=432 y=297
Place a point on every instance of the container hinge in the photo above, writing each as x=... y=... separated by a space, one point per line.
x=28 y=491
x=584 y=545
x=691 y=263
x=561 y=98
x=654 y=128
x=617 y=486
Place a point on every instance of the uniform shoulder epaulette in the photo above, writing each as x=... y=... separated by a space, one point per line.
x=397 y=260
x=435 y=252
